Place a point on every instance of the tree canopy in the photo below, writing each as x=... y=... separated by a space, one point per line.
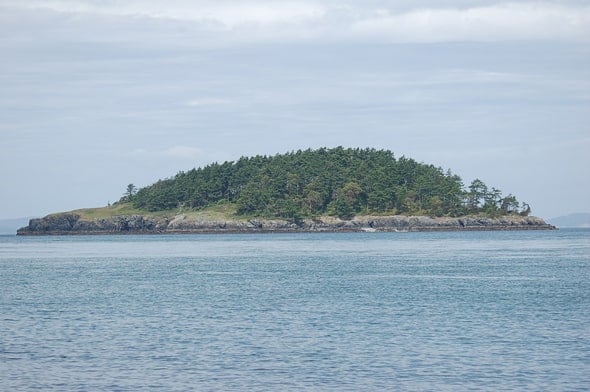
x=337 y=181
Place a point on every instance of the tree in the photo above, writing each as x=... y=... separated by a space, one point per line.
x=342 y=208
x=509 y=205
x=493 y=199
x=335 y=181
x=436 y=206
x=351 y=192
x=255 y=198
x=130 y=192
x=313 y=200
x=477 y=192
x=525 y=209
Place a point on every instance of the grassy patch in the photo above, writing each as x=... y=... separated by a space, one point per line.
x=219 y=211
x=106 y=212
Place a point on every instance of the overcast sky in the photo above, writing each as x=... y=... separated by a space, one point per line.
x=98 y=94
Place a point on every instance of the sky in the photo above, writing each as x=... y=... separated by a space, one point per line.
x=95 y=95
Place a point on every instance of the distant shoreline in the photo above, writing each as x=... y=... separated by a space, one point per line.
x=72 y=224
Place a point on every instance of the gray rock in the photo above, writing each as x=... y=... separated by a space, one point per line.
x=72 y=224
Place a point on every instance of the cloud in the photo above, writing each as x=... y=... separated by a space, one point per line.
x=216 y=13
x=526 y=21
x=234 y=22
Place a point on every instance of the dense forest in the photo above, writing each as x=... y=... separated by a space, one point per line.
x=338 y=181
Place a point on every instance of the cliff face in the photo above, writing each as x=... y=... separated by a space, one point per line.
x=68 y=223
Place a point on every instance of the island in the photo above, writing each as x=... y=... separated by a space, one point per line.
x=322 y=190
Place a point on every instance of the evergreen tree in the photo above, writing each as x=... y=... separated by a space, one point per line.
x=338 y=181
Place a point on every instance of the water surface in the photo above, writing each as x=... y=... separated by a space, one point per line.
x=358 y=311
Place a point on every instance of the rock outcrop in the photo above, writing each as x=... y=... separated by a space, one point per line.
x=71 y=223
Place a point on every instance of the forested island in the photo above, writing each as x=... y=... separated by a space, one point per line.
x=337 y=189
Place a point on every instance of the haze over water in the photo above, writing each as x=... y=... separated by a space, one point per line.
x=363 y=311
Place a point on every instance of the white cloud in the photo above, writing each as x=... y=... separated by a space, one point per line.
x=209 y=22
x=525 y=21
x=226 y=14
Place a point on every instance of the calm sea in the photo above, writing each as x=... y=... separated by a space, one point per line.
x=364 y=311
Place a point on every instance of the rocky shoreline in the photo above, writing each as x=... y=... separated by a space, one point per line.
x=73 y=224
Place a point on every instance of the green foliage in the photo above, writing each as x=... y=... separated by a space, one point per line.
x=129 y=193
x=337 y=181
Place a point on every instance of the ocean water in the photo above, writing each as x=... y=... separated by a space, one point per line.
x=359 y=311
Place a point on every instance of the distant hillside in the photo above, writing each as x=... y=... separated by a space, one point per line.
x=572 y=220
x=338 y=182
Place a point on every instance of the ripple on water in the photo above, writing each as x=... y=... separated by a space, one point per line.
x=414 y=311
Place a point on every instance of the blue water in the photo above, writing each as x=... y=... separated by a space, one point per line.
x=364 y=311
